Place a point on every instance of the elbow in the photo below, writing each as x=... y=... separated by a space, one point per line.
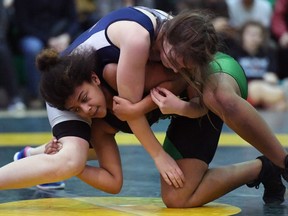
x=115 y=187
x=116 y=190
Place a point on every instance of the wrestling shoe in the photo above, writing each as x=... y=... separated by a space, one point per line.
x=285 y=170
x=21 y=154
x=48 y=186
x=52 y=186
x=270 y=177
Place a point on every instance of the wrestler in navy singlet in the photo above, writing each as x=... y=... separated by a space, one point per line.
x=96 y=38
x=186 y=137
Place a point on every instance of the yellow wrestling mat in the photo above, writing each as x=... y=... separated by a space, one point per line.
x=108 y=206
x=37 y=138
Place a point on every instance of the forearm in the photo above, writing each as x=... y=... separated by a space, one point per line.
x=101 y=179
x=165 y=164
x=146 y=105
x=191 y=109
x=145 y=135
x=108 y=176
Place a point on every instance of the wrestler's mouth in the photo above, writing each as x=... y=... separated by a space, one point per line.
x=95 y=113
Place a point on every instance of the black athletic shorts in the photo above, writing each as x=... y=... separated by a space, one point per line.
x=193 y=138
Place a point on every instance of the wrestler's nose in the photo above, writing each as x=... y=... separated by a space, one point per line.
x=86 y=108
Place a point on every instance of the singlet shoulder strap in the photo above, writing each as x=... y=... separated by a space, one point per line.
x=161 y=17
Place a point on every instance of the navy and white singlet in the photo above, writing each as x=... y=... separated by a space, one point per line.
x=66 y=123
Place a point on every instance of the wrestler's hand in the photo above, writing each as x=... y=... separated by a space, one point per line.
x=124 y=109
x=169 y=170
x=53 y=146
x=167 y=102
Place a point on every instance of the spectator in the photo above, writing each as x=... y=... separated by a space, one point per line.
x=272 y=2
x=220 y=21
x=241 y=11
x=9 y=79
x=41 y=24
x=259 y=62
x=106 y=6
x=90 y=11
x=279 y=29
x=167 y=6
x=188 y=4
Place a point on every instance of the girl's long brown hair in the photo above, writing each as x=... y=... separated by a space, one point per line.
x=194 y=39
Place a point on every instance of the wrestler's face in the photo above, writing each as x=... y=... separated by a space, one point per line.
x=166 y=53
x=88 y=100
x=253 y=38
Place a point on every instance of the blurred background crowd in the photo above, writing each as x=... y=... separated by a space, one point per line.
x=254 y=32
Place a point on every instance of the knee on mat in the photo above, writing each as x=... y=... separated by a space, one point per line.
x=173 y=201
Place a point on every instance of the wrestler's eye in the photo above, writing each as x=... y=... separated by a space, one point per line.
x=76 y=110
x=84 y=99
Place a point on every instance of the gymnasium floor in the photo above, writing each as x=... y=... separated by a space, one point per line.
x=141 y=191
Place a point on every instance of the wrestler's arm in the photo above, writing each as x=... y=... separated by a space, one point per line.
x=156 y=75
x=130 y=85
x=169 y=103
x=108 y=176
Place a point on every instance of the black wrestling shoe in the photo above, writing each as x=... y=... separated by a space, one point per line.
x=285 y=170
x=270 y=177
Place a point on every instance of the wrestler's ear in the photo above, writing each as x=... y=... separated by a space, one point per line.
x=95 y=78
